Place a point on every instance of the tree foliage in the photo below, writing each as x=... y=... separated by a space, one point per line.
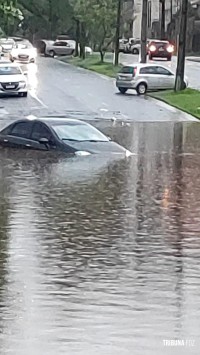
x=93 y=21
x=98 y=18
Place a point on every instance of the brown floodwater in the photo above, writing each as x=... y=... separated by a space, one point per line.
x=100 y=256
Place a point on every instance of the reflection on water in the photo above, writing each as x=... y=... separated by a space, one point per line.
x=100 y=256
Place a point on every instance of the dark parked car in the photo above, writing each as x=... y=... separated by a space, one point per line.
x=160 y=49
x=56 y=134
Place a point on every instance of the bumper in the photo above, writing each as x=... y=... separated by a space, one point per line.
x=8 y=92
x=126 y=84
x=160 y=54
x=23 y=60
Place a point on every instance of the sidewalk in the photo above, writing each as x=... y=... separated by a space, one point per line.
x=193 y=59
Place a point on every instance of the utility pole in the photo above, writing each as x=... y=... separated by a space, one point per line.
x=144 y=32
x=180 y=70
x=171 y=10
x=117 y=33
x=162 y=19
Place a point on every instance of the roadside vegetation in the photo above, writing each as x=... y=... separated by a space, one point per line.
x=93 y=63
x=187 y=100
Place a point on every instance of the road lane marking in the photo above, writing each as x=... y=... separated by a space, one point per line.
x=34 y=96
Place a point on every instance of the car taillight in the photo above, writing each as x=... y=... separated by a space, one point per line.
x=134 y=71
x=170 y=48
x=152 y=48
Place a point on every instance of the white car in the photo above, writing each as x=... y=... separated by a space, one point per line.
x=145 y=77
x=24 y=53
x=12 y=80
x=64 y=47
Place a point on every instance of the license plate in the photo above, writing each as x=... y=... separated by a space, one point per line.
x=10 y=86
x=161 y=49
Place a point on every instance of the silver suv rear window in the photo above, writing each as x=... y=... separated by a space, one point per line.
x=128 y=70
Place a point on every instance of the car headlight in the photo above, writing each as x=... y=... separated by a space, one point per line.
x=152 y=48
x=82 y=153
x=22 y=84
x=170 y=49
x=128 y=153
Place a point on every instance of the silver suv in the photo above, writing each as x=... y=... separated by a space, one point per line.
x=145 y=77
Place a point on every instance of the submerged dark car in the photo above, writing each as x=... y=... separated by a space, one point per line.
x=55 y=134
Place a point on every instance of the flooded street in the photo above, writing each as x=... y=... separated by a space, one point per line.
x=102 y=256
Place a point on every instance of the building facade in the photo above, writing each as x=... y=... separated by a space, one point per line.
x=154 y=14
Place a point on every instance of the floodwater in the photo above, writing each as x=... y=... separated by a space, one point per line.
x=102 y=256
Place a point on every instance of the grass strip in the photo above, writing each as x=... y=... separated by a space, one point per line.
x=93 y=63
x=187 y=100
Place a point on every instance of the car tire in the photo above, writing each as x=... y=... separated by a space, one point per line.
x=122 y=90
x=150 y=57
x=135 y=51
x=184 y=85
x=141 y=89
x=52 y=54
x=169 y=58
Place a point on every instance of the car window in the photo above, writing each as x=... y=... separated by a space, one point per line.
x=162 y=71
x=79 y=132
x=21 y=129
x=60 y=44
x=41 y=131
x=148 y=70
x=9 y=70
x=128 y=70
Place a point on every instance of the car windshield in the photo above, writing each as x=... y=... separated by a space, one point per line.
x=9 y=43
x=8 y=70
x=79 y=132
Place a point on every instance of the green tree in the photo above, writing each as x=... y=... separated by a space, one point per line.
x=47 y=18
x=10 y=16
x=97 y=20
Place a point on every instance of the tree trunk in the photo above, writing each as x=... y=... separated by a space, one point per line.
x=144 y=32
x=117 y=33
x=76 y=53
x=180 y=70
x=50 y=19
x=82 y=40
x=162 y=19
x=102 y=54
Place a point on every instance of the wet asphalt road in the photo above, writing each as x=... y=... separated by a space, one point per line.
x=55 y=87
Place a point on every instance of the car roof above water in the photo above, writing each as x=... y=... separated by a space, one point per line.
x=53 y=120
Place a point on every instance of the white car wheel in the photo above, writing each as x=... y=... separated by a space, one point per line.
x=141 y=89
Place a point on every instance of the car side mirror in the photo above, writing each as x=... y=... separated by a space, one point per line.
x=43 y=141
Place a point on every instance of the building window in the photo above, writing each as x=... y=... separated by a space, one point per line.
x=149 y=14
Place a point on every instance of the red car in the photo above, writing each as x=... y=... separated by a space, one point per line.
x=160 y=49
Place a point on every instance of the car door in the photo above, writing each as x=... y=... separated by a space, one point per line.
x=18 y=136
x=39 y=131
x=58 y=48
x=149 y=75
x=166 y=78
x=67 y=49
